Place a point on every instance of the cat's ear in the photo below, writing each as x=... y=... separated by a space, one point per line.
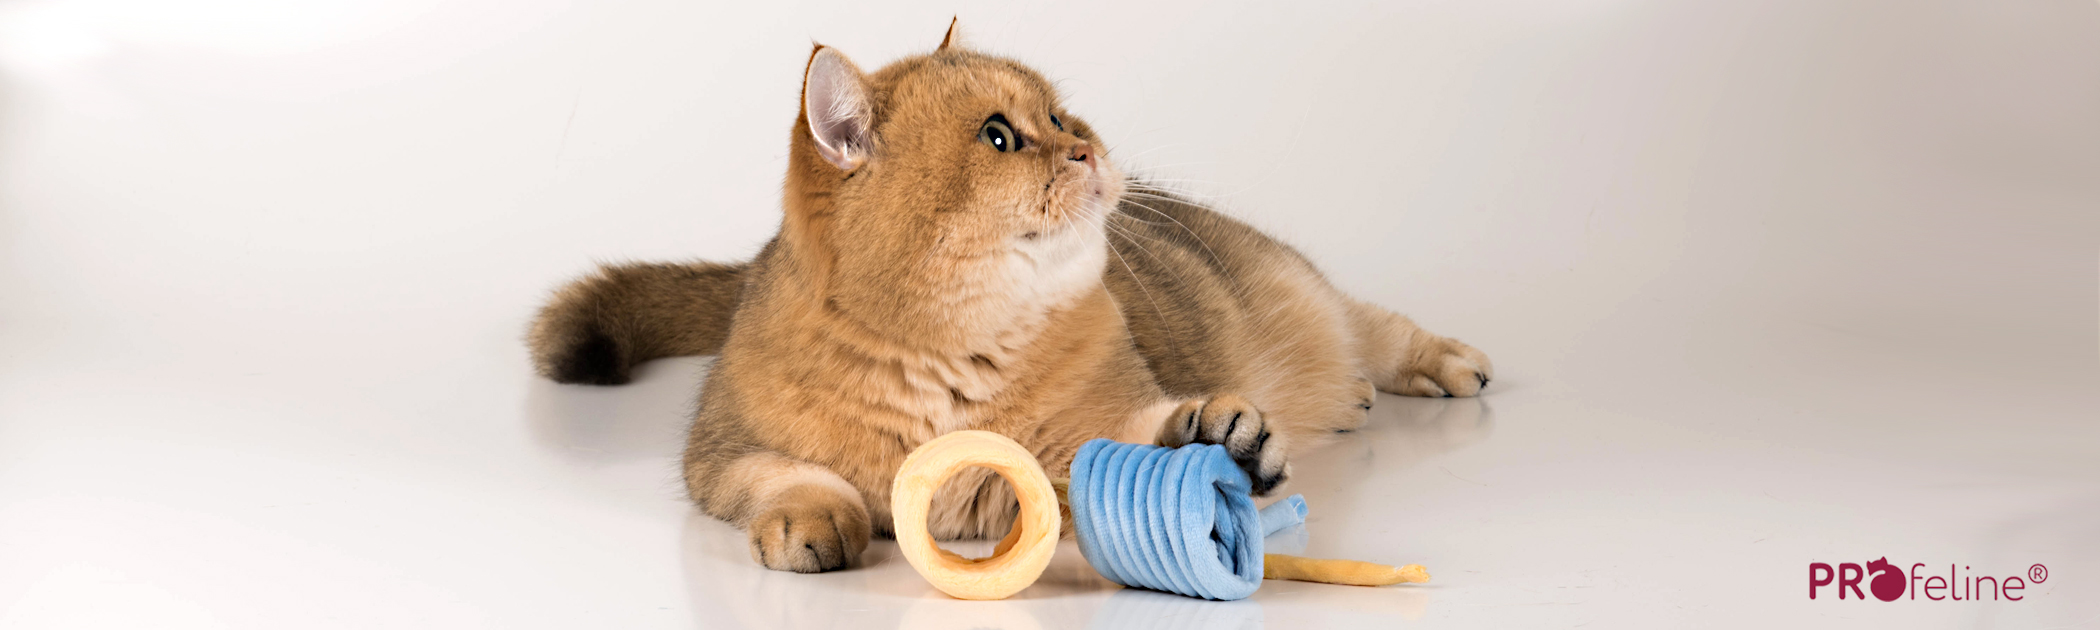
x=954 y=37
x=835 y=101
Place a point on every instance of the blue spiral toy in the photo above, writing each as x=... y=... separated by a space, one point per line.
x=1178 y=520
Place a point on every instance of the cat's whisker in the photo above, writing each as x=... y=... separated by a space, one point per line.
x=1150 y=180
x=1127 y=233
x=1132 y=232
x=1133 y=219
x=1150 y=183
x=1184 y=227
x=1175 y=195
x=1140 y=281
x=1174 y=184
x=1133 y=158
x=1174 y=198
x=1234 y=287
x=1164 y=265
x=1140 y=172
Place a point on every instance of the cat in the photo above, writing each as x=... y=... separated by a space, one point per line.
x=958 y=251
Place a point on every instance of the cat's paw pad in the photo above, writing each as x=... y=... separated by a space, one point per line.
x=1444 y=368
x=808 y=530
x=1232 y=422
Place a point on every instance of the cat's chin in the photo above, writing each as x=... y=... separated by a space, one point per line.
x=1060 y=263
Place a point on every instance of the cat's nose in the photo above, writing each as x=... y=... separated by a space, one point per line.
x=1083 y=152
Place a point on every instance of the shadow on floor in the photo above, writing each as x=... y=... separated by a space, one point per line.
x=644 y=419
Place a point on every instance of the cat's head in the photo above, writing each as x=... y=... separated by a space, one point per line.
x=945 y=190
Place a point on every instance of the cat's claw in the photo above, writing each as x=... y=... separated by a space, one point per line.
x=1234 y=423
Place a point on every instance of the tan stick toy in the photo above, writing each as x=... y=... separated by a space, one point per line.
x=1281 y=567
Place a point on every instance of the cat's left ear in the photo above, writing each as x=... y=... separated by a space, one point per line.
x=835 y=101
x=954 y=37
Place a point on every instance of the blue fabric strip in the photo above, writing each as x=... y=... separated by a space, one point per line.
x=1281 y=514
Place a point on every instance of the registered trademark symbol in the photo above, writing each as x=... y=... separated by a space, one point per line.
x=2037 y=574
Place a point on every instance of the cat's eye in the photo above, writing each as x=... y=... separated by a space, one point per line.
x=1059 y=123
x=1000 y=135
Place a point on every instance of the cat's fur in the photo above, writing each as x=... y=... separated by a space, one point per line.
x=924 y=282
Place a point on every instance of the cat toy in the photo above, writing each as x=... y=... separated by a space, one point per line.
x=1179 y=520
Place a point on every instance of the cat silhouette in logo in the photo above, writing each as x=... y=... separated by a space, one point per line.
x=1888 y=581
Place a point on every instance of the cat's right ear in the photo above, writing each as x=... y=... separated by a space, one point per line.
x=835 y=101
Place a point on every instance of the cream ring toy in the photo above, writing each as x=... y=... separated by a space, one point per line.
x=1018 y=559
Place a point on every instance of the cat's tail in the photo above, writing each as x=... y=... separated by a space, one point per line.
x=596 y=329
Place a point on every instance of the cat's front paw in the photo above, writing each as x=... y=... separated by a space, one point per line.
x=809 y=529
x=1443 y=368
x=1234 y=423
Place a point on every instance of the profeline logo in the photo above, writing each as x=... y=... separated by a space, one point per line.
x=1889 y=583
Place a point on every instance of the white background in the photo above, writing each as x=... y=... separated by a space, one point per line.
x=1766 y=283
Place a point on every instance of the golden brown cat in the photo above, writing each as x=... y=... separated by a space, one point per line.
x=958 y=252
